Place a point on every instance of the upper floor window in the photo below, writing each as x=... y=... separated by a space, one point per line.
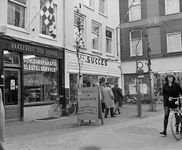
x=136 y=43
x=16 y=13
x=172 y=6
x=135 y=10
x=174 y=43
x=109 y=40
x=96 y=28
x=79 y=36
x=102 y=6
x=48 y=18
x=89 y=3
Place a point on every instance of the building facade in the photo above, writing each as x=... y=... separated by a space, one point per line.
x=98 y=52
x=32 y=60
x=150 y=31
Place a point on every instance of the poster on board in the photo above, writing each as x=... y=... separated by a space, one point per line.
x=88 y=103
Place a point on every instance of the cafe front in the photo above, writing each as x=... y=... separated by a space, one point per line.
x=32 y=74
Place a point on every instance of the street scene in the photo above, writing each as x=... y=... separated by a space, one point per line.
x=90 y=75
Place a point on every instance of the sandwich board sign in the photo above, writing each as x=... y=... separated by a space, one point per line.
x=89 y=106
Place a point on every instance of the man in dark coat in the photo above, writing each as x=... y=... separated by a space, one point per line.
x=117 y=98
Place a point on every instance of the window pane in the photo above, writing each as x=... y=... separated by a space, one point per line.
x=136 y=47
x=95 y=41
x=11 y=58
x=135 y=34
x=95 y=27
x=108 y=34
x=21 y=1
x=172 y=6
x=40 y=79
x=108 y=45
x=135 y=13
x=174 y=42
x=16 y=15
x=102 y=6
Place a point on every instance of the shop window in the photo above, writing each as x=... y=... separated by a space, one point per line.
x=96 y=28
x=172 y=6
x=45 y=27
x=79 y=37
x=136 y=43
x=16 y=13
x=174 y=42
x=40 y=79
x=11 y=58
x=135 y=10
x=90 y=80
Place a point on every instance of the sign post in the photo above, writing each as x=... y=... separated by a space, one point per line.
x=89 y=105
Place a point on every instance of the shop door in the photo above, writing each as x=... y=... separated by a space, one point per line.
x=12 y=94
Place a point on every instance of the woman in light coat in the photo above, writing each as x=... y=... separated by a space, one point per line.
x=109 y=100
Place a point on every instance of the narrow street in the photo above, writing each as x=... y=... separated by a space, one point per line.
x=125 y=132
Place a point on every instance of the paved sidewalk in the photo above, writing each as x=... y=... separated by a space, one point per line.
x=55 y=134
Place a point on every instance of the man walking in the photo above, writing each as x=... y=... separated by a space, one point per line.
x=117 y=98
x=109 y=100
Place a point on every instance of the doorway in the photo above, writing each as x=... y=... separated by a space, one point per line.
x=12 y=94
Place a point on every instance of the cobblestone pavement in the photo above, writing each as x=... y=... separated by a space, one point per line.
x=125 y=132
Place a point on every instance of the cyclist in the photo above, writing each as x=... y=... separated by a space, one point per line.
x=171 y=90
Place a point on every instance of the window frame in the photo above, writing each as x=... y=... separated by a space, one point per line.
x=140 y=44
x=25 y=13
x=87 y=3
x=169 y=11
x=133 y=6
x=110 y=39
x=98 y=35
x=167 y=41
x=47 y=30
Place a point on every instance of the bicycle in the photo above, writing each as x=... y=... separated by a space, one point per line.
x=176 y=127
x=57 y=109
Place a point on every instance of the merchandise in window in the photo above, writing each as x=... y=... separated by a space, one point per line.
x=135 y=10
x=40 y=79
x=172 y=6
x=16 y=13
x=174 y=42
x=136 y=43
x=95 y=35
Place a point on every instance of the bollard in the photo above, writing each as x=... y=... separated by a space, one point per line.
x=2 y=119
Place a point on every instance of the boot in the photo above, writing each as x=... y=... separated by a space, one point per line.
x=106 y=112
x=112 y=112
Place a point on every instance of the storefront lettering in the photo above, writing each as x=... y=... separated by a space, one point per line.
x=97 y=61
x=29 y=67
x=33 y=49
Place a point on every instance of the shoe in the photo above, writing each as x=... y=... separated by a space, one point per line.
x=164 y=133
x=113 y=116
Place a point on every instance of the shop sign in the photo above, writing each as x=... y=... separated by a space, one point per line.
x=40 y=65
x=36 y=50
x=88 y=104
x=96 y=60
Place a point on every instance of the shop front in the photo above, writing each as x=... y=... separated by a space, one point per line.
x=30 y=74
x=94 y=70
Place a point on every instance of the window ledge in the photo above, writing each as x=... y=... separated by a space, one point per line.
x=46 y=37
x=173 y=13
x=104 y=15
x=110 y=55
x=18 y=29
x=96 y=52
x=89 y=7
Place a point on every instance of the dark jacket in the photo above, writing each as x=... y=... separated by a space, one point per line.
x=171 y=91
x=117 y=94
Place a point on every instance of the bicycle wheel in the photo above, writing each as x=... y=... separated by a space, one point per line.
x=71 y=109
x=176 y=130
x=55 y=110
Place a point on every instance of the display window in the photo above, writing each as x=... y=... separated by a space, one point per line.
x=40 y=79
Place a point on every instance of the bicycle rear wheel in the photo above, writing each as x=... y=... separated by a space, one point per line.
x=71 y=109
x=55 y=110
x=176 y=129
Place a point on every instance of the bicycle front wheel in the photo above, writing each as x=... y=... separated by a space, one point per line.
x=55 y=110
x=71 y=109
x=176 y=126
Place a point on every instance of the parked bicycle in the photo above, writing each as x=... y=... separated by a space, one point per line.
x=176 y=120
x=59 y=108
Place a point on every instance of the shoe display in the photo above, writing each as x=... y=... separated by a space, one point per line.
x=164 y=133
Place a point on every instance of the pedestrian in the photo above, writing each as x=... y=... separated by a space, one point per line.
x=101 y=88
x=171 y=90
x=109 y=100
x=118 y=97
